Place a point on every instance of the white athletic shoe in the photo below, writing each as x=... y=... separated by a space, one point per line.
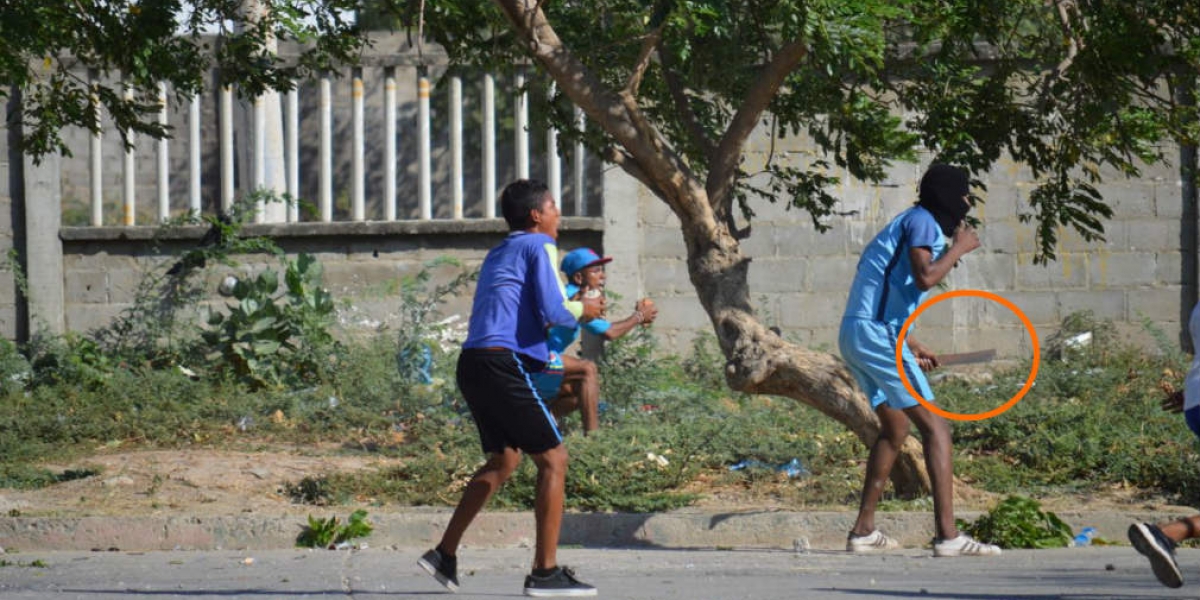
x=964 y=545
x=875 y=541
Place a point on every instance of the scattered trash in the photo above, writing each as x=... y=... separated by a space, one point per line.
x=415 y=362
x=661 y=460
x=245 y=423
x=1078 y=341
x=1085 y=537
x=249 y=560
x=801 y=545
x=333 y=402
x=227 y=285
x=792 y=468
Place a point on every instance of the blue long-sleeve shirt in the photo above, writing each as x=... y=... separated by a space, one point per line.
x=518 y=295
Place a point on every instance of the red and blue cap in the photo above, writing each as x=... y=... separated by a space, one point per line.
x=580 y=259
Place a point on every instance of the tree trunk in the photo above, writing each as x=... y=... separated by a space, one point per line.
x=760 y=362
x=757 y=361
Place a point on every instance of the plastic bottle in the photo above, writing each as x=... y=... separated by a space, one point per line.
x=1085 y=537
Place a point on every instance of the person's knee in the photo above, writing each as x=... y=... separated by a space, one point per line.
x=893 y=437
x=500 y=466
x=553 y=460
x=589 y=370
x=934 y=429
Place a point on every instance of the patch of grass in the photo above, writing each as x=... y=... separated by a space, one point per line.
x=1092 y=419
x=670 y=427
x=35 y=564
x=20 y=476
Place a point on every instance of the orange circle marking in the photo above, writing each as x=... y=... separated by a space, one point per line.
x=973 y=416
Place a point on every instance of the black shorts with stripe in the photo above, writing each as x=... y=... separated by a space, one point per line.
x=498 y=387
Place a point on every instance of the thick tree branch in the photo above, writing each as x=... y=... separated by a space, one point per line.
x=1065 y=7
x=617 y=157
x=729 y=151
x=649 y=43
x=665 y=172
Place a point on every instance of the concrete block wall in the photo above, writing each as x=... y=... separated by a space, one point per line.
x=364 y=264
x=799 y=277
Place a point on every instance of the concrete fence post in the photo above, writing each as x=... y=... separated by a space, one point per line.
x=36 y=191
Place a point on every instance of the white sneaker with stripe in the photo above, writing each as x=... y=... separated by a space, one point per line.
x=964 y=545
x=875 y=541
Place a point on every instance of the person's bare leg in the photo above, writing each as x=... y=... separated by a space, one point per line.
x=892 y=433
x=935 y=437
x=564 y=403
x=582 y=378
x=548 y=505
x=589 y=396
x=483 y=484
x=1182 y=529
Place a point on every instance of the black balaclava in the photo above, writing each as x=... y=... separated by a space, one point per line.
x=941 y=193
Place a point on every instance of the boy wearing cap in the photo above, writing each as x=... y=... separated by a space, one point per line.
x=904 y=260
x=571 y=383
x=518 y=293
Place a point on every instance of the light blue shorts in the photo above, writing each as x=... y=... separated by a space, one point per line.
x=869 y=349
x=550 y=379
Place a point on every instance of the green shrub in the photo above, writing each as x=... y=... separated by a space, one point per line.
x=1019 y=522
x=328 y=533
x=273 y=338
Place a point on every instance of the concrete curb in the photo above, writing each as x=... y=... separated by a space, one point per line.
x=421 y=527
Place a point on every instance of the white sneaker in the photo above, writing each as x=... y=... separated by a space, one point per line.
x=964 y=545
x=875 y=541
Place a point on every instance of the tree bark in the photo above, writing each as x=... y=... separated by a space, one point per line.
x=757 y=361
x=760 y=362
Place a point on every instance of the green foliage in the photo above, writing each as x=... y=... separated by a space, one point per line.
x=273 y=338
x=36 y=563
x=1073 y=93
x=50 y=45
x=26 y=477
x=1019 y=522
x=159 y=327
x=422 y=330
x=328 y=533
x=1061 y=435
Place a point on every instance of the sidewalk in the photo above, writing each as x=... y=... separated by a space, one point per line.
x=421 y=527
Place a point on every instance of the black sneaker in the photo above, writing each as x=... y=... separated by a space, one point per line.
x=1160 y=549
x=560 y=582
x=443 y=568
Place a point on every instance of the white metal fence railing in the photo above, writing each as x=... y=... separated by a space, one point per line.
x=230 y=183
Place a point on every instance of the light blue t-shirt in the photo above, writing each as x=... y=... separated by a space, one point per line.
x=884 y=288
x=561 y=337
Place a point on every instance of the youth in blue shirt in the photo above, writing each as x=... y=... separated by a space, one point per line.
x=518 y=293
x=897 y=268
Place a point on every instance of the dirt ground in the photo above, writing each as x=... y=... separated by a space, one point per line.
x=221 y=482
x=183 y=482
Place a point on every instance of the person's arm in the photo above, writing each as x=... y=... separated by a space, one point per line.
x=644 y=314
x=928 y=272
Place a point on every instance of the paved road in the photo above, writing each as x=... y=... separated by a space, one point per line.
x=1114 y=573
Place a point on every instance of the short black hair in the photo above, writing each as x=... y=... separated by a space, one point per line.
x=518 y=199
